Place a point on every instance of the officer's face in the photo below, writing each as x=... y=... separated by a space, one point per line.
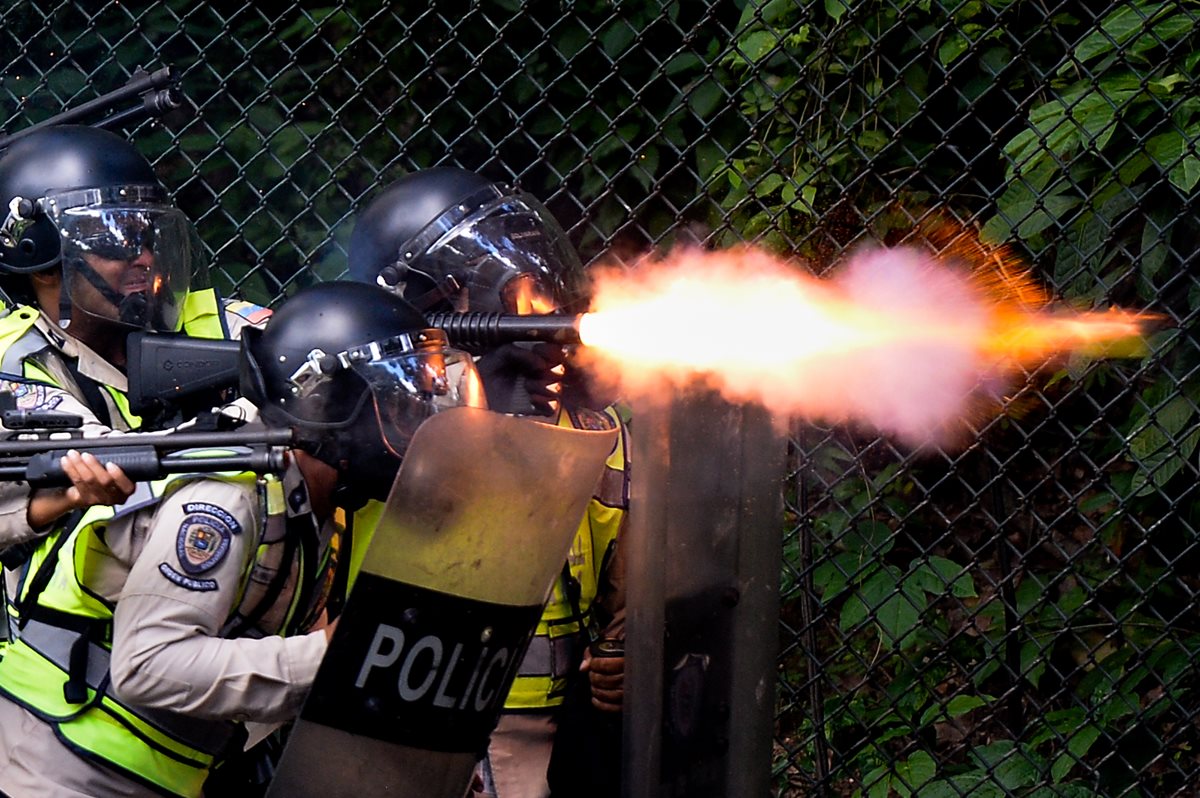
x=125 y=277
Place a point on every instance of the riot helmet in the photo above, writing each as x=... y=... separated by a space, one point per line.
x=451 y=240
x=354 y=370
x=86 y=200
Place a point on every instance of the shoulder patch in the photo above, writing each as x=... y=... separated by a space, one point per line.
x=203 y=538
x=586 y=419
x=33 y=396
x=219 y=513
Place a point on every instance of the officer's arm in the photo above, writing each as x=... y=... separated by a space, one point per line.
x=180 y=592
x=606 y=674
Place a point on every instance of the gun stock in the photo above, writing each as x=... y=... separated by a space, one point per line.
x=176 y=371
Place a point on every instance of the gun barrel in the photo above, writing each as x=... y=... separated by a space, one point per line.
x=141 y=83
x=486 y=330
x=155 y=103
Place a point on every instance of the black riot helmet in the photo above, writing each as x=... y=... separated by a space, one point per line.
x=86 y=200
x=354 y=370
x=451 y=240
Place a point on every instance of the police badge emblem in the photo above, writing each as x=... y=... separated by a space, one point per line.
x=201 y=544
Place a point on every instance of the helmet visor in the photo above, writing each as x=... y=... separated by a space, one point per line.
x=127 y=257
x=508 y=256
x=409 y=387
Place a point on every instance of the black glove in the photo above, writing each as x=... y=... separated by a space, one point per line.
x=517 y=378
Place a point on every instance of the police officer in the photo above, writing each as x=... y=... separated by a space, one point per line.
x=90 y=250
x=202 y=603
x=451 y=240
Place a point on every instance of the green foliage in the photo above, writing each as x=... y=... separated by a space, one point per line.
x=1068 y=681
x=828 y=118
x=1113 y=132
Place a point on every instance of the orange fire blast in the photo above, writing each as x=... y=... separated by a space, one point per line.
x=897 y=338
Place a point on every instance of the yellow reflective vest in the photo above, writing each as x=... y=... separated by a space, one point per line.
x=23 y=351
x=29 y=359
x=57 y=667
x=556 y=649
x=22 y=346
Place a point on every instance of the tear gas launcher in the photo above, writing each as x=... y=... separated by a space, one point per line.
x=482 y=331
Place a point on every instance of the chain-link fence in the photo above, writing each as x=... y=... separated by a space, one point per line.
x=1018 y=617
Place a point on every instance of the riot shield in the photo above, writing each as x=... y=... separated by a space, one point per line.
x=477 y=525
x=703 y=559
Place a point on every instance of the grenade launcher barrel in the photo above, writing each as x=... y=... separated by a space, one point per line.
x=475 y=331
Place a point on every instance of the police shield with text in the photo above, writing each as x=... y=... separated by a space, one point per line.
x=474 y=530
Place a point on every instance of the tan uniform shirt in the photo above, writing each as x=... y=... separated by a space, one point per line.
x=175 y=571
x=14 y=496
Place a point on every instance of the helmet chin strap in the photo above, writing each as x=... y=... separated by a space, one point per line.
x=132 y=309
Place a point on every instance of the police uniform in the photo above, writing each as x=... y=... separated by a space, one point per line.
x=46 y=369
x=520 y=747
x=187 y=593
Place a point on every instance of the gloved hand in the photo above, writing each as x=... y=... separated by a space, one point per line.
x=607 y=677
x=522 y=379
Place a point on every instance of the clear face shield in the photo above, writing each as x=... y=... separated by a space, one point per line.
x=409 y=377
x=494 y=253
x=128 y=258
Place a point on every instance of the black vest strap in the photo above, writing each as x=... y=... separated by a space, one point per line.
x=341 y=573
x=273 y=591
x=41 y=578
x=574 y=593
x=93 y=394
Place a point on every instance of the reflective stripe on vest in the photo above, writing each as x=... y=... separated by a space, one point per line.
x=170 y=752
x=557 y=646
x=552 y=656
x=102 y=730
x=55 y=644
